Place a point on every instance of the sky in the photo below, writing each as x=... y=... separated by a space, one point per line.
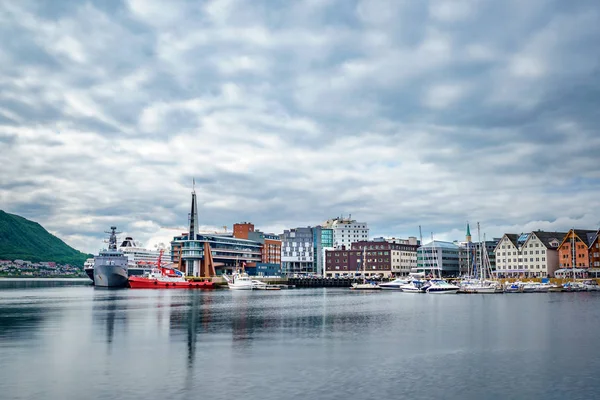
x=399 y=113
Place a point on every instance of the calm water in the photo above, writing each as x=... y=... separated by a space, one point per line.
x=72 y=341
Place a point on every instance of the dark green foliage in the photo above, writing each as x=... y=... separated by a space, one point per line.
x=27 y=240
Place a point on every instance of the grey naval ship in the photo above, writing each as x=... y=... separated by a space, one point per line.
x=110 y=266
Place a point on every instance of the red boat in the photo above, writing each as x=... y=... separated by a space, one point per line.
x=167 y=278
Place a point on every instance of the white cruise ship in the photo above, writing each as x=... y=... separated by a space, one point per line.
x=140 y=258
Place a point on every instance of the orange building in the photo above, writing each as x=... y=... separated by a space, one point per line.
x=271 y=251
x=582 y=240
x=242 y=230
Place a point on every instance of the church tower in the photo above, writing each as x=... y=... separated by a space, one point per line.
x=468 y=233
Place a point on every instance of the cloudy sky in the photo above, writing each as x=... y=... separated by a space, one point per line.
x=401 y=113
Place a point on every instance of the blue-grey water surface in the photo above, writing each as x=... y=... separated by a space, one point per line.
x=68 y=340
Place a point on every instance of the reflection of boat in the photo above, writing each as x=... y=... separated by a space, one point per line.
x=365 y=285
x=396 y=284
x=169 y=278
x=110 y=266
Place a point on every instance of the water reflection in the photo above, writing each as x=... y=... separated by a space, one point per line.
x=109 y=310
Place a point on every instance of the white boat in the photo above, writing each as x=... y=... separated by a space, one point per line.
x=239 y=281
x=396 y=284
x=365 y=285
x=591 y=285
x=440 y=286
x=414 y=286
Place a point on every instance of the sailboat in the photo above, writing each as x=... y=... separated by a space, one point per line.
x=365 y=285
x=481 y=284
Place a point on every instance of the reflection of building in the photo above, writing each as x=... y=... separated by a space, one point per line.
x=439 y=257
x=347 y=231
x=382 y=258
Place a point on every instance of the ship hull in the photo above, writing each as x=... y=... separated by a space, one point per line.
x=110 y=276
x=136 y=282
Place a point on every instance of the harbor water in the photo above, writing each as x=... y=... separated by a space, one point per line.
x=69 y=340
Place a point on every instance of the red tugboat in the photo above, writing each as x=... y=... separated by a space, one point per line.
x=166 y=278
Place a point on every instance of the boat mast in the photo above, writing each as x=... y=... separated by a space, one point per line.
x=573 y=252
x=480 y=252
x=421 y=243
x=364 y=264
x=434 y=254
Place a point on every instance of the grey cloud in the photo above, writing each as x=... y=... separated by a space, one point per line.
x=401 y=113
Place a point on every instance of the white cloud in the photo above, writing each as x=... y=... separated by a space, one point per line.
x=397 y=112
x=443 y=95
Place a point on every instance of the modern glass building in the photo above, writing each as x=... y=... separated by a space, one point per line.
x=439 y=257
x=227 y=251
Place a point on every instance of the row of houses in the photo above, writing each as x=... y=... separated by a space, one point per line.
x=542 y=254
x=341 y=246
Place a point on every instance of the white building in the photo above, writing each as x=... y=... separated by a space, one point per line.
x=532 y=254
x=347 y=231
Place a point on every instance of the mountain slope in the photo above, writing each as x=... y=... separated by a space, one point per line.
x=23 y=239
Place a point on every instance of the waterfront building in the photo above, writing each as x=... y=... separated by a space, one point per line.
x=347 y=231
x=297 y=252
x=270 y=247
x=228 y=252
x=382 y=259
x=583 y=240
x=403 y=256
x=595 y=253
x=322 y=241
x=439 y=257
x=303 y=250
x=243 y=229
x=533 y=254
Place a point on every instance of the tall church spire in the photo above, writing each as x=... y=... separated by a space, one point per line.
x=468 y=233
x=193 y=215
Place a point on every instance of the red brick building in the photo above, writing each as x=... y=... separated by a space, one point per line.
x=242 y=229
x=378 y=258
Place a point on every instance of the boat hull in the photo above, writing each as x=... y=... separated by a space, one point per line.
x=442 y=291
x=136 y=282
x=110 y=276
x=364 y=286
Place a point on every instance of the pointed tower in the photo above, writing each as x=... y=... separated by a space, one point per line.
x=193 y=214
x=193 y=266
x=468 y=233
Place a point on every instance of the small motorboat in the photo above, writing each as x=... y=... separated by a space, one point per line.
x=396 y=284
x=440 y=286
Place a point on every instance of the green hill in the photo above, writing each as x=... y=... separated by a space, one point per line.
x=23 y=239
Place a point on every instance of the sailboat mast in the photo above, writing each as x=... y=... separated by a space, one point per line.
x=480 y=252
x=573 y=252
x=434 y=254
x=364 y=264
